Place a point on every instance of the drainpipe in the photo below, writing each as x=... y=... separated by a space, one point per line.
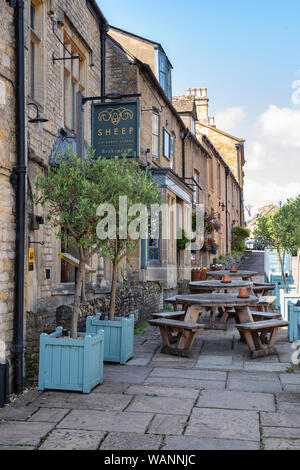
x=103 y=31
x=183 y=136
x=226 y=203
x=19 y=178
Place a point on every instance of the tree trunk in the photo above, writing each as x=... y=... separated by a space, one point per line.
x=281 y=261
x=297 y=272
x=77 y=298
x=112 y=303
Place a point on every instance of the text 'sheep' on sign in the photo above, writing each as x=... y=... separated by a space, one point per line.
x=115 y=128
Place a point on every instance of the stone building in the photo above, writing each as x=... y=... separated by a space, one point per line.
x=230 y=147
x=221 y=189
x=54 y=30
x=8 y=161
x=167 y=144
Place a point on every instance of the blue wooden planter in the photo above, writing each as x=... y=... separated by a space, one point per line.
x=286 y=297
x=294 y=319
x=280 y=284
x=71 y=364
x=118 y=334
x=287 y=289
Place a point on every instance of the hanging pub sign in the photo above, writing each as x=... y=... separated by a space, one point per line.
x=115 y=129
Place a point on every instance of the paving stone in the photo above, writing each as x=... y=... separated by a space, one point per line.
x=140 y=361
x=190 y=383
x=132 y=374
x=179 y=361
x=164 y=405
x=168 y=424
x=217 y=346
x=111 y=387
x=290 y=379
x=224 y=424
x=291 y=388
x=288 y=408
x=13 y=413
x=266 y=366
x=26 y=398
x=214 y=360
x=73 y=440
x=188 y=374
x=236 y=400
x=20 y=447
x=281 y=433
x=27 y=433
x=173 y=392
x=288 y=397
x=131 y=441
x=106 y=421
x=288 y=420
x=195 y=443
x=49 y=415
x=79 y=401
x=282 y=444
x=253 y=382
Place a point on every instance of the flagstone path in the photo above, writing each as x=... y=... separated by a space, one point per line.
x=217 y=399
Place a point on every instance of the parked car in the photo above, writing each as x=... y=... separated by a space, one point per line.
x=250 y=244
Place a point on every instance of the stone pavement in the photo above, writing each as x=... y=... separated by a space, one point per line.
x=217 y=399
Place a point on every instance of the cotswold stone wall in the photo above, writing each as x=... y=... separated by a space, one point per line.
x=140 y=299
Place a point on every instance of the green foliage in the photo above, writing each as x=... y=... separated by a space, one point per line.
x=182 y=239
x=72 y=191
x=239 y=235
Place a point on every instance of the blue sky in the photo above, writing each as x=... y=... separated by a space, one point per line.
x=246 y=53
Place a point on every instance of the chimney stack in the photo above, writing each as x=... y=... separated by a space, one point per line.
x=201 y=101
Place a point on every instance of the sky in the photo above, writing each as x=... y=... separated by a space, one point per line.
x=246 y=53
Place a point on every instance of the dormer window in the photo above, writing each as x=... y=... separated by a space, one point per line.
x=164 y=73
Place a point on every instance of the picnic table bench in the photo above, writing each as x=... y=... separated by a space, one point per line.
x=252 y=328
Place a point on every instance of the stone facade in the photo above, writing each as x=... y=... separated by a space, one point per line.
x=7 y=162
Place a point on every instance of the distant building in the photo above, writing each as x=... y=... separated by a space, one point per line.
x=262 y=212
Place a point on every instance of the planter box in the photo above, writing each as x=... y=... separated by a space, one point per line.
x=287 y=288
x=118 y=334
x=71 y=364
x=294 y=319
x=198 y=275
x=285 y=297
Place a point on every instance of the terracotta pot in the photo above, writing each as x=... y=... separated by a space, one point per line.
x=203 y=276
x=226 y=279
x=233 y=269
x=196 y=276
x=243 y=293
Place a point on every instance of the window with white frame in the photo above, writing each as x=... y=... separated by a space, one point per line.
x=167 y=144
x=196 y=187
x=36 y=25
x=155 y=135
x=74 y=79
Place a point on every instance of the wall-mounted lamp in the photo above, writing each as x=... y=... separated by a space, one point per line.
x=37 y=119
x=221 y=204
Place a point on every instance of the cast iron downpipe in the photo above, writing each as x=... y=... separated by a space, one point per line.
x=183 y=137
x=103 y=32
x=19 y=179
x=226 y=202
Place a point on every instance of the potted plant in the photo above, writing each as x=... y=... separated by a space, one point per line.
x=198 y=274
x=120 y=178
x=71 y=191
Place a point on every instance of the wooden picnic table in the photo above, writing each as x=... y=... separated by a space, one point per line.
x=217 y=285
x=253 y=332
x=245 y=275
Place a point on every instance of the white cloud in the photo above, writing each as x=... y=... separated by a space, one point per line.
x=281 y=125
x=228 y=119
x=255 y=156
x=258 y=195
